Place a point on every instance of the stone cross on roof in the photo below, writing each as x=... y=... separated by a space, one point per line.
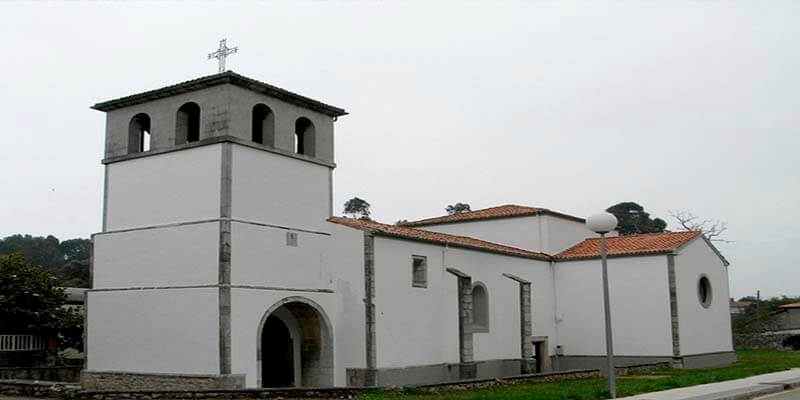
x=222 y=53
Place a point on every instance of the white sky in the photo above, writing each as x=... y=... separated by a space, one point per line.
x=572 y=106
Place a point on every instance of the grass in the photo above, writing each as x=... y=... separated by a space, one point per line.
x=751 y=362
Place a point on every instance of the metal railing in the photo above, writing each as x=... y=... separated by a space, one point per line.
x=21 y=343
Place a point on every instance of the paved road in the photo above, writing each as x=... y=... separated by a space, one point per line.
x=790 y=395
x=738 y=388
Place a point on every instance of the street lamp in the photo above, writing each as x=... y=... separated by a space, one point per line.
x=603 y=223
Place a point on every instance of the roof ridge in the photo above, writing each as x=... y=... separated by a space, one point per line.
x=495 y=212
x=645 y=234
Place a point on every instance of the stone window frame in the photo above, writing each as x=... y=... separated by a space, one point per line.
x=419 y=273
x=703 y=282
x=480 y=327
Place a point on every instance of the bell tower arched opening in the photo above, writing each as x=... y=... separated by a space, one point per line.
x=139 y=133
x=187 y=123
x=263 y=130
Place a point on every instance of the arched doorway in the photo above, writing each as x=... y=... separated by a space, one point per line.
x=295 y=345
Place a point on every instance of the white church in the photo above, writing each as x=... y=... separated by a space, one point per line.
x=220 y=261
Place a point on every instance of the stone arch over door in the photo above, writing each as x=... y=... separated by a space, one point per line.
x=311 y=337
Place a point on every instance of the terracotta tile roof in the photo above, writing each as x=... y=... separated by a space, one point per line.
x=504 y=211
x=792 y=305
x=218 y=79
x=649 y=243
x=404 y=232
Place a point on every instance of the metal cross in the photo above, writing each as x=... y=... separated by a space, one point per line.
x=222 y=53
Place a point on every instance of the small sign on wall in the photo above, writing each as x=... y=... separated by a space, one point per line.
x=291 y=239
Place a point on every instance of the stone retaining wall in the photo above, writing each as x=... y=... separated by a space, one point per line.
x=48 y=390
x=760 y=341
x=638 y=369
x=55 y=390
x=50 y=374
x=104 y=380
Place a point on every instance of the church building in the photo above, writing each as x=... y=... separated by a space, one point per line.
x=221 y=264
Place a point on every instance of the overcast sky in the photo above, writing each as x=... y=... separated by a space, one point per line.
x=572 y=106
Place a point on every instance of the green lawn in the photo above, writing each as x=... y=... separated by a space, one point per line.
x=751 y=362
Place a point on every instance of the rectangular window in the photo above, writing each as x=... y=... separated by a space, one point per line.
x=419 y=271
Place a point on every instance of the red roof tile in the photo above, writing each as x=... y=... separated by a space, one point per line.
x=404 y=232
x=649 y=243
x=792 y=305
x=504 y=211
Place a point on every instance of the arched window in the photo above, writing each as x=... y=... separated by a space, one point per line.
x=304 y=136
x=139 y=134
x=480 y=308
x=187 y=125
x=263 y=125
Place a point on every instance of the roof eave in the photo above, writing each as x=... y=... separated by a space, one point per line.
x=462 y=246
x=595 y=257
x=219 y=79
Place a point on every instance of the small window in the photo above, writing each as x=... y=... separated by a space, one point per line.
x=139 y=134
x=480 y=308
x=704 y=291
x=419 y=271
x=187 y=124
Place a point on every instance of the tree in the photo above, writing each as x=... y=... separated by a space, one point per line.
x=32 y=303
x=711 y=228
x=67 y=260
x=29 y=297
x=401 y=222
x=633 y=219
x=356 y=207
x=457 y=208
x=75 y=249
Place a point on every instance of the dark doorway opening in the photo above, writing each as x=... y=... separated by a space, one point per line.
x=277 y=360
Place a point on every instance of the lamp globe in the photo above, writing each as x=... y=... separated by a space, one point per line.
x=602 y=222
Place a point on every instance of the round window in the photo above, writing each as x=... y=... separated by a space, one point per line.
x=704 y=291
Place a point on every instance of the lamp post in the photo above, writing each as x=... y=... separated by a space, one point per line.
x=603 y=223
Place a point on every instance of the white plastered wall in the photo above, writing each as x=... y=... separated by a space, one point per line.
x=702 y=330
x=146 y=331
x=343 y=272
x=522 y=232
x=503 y=339
x=167 y=256
x=544 y=233
x=639 y=290
x=261 y=257
x=166 y=188
x=279 y=190
x=419 y=326
x=562 y=233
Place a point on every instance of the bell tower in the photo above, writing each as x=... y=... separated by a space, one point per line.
x=210 y=185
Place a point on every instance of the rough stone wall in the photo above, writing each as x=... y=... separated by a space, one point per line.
x=133 y=381
x=638 y=369
x=55 y=390
x=53 y=374
x=760 y=341
x=48 y=390
x=24 y=358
